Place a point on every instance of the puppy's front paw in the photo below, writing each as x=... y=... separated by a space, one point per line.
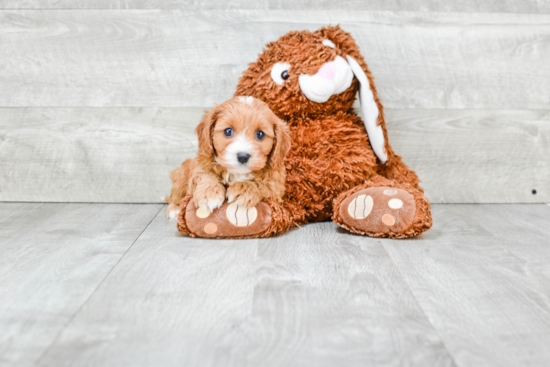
x=172 y=211
x=244 y=194
x=210 y=198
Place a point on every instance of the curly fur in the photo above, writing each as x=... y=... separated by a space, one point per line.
x=330 y=156
x=210 y=181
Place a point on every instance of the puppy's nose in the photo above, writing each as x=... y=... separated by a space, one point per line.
x=243 y=157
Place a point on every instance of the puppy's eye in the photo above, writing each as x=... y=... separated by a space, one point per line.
x=228 y=132
x=279 y=72
x=260 y=135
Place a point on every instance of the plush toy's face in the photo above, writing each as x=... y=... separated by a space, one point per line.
x=304 y=73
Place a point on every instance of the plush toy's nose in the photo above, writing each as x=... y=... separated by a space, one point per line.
x=327 y=71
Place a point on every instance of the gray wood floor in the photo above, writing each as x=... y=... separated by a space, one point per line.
x=116 y=285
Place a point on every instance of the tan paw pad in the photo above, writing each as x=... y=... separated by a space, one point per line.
x=388 y=219
x=395 y=203
x=390 y=192
x=360 y=207
x=210 y=228
x=202 y=213
x=240 y=216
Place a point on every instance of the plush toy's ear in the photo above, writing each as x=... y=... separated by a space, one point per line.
x=370 y=111
x=371 y=107
x=281 y=144
x=205 y=130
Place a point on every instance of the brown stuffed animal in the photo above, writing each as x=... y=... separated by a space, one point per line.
x=339 y=166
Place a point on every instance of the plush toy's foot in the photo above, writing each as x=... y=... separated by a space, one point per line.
x=391 y=210
x=229 y=221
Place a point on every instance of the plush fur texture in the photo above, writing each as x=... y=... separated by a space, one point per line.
x=330 y=157
x=216 y=174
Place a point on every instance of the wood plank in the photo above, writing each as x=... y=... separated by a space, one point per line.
x=486 y=290
x=473 y=156
x=93 y=155
x=53 y=258
x=500 y=6
x=189 y=58
x=314 y=296
x=179 y=299
x=324 y=297
x=126 y=154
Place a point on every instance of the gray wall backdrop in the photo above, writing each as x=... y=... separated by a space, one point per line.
x=99 y=99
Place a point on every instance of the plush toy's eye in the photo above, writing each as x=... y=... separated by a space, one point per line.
x=260 y=135
x=279 y=72
x=228 y=132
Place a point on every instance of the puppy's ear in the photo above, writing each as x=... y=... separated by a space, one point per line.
x=205 y=131
x=281 y=144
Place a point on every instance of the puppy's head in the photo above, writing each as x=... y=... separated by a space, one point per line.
x=243 y=135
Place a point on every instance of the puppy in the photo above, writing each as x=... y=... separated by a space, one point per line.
x=242 y=147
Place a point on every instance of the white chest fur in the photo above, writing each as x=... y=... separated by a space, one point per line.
x=231 y=178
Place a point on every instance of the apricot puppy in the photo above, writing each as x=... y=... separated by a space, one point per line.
x=242 y=147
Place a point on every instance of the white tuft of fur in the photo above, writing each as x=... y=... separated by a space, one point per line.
x=249 y=100
x=230 y=197
x=211 y=205
x=240 y=178
x=239 y=145
x=329 y=43
x=173 y=213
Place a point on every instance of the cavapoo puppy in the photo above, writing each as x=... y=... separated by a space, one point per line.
x=242 y=147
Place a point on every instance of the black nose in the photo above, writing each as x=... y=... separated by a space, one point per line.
x=243 y=157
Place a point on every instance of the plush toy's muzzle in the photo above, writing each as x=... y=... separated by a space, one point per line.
x=335 y=77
